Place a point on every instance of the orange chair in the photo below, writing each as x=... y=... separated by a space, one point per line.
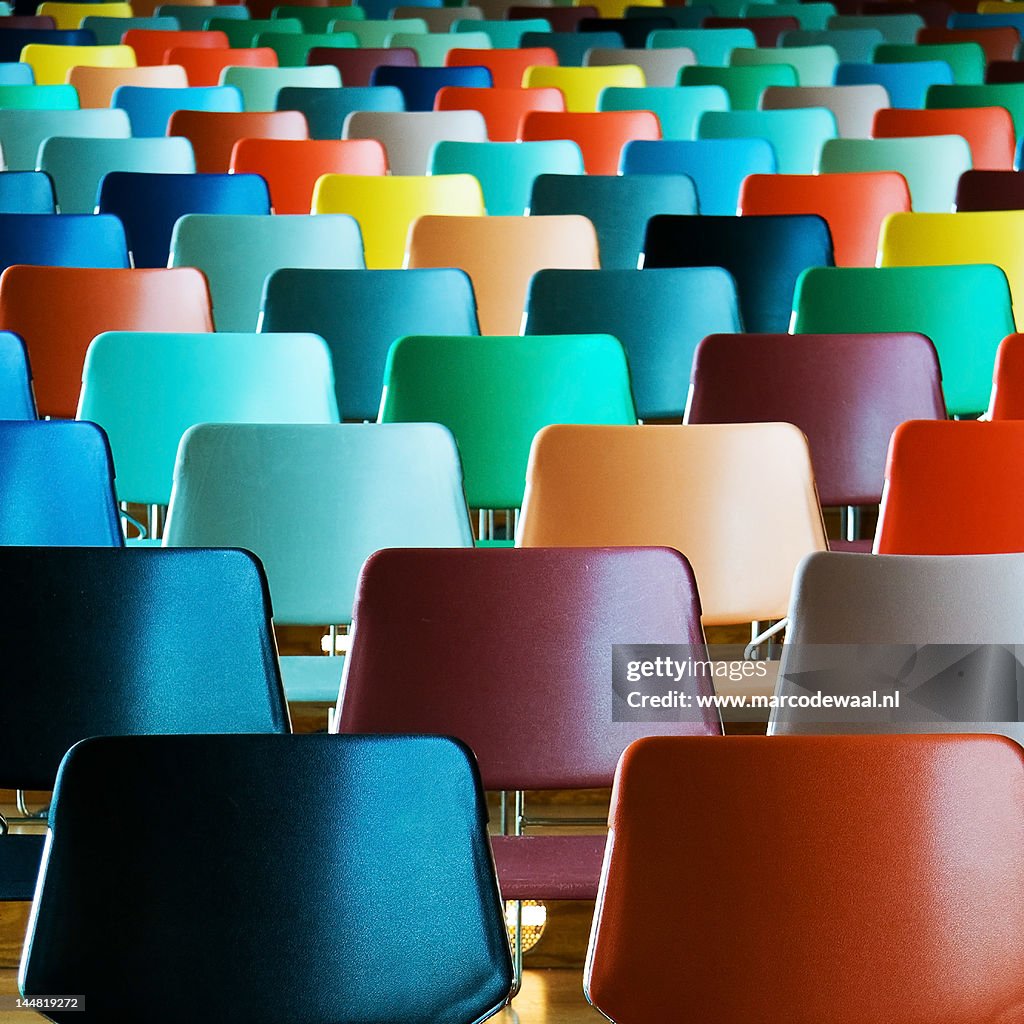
x=213 y=134
x=1008 y=380
x=291 y=167
x=507 y=67
x=96 y=85
x=988 y=131
x=953 y=488
x=853 y=205
x=501 y=255
x=204 y=66
x=59 y=310
x=852 y=879
x=150 y=45
x=998 y=42
x=600 y=136
x=503 y=109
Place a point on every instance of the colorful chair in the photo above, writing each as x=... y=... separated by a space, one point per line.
x=16 y=399
x=796 y=136
x=989 y=190
x=38 y=97
x=149 y=110
x=420 y=86
x=711 y=45
x=906 y=84
x=743 y=85
x=152 y=46
x=23 y=131
x=988 y=131
x=507 y=67
x=966 y=60
x=205 y=65
x=582 y=86
x=51 y=64
x=503 y=109
x=61 y=240
x=357 y=66
x=96 y=86
x=957 y=97
x=26 y=192
x=1008 y=380
x=813 y=65
x=600 y=136
x=213 y=134
x=70 y=15
x=325 y=110
x=259 y=86
x=854 y=106
x=409 y=137
x=293 y=48
x=678 y=110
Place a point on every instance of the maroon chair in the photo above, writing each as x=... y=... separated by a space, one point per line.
x=561 y=19
x=28 y=21
x=999 y=43
x=358 y=65
x=846 y=392
x=990 y=190
x=1004 y=72
x=766 y=30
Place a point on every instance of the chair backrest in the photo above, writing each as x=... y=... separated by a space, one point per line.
x=954 y=97
x=51 y=64
x=213 y=133
x=852 y=45
x=813 y=65
x=635 y=31
x=854 y=106
x=495 y=393
x=977 y=191
x=206 y=65
x=318 y=19
x=796 y=135
x=507 y=67
x=373 y=831
x=389 y=304
x=503 y=109
x=766 y=30
x=22 y=131
x=70 y=15
x=582 y=86
x=687 y=487
x=293 y=48
x=880 y=892
x=151 y=46
x=38 y=97
x=325 y=110
x=743 y=85
x=26 y=192
x=259 y=86
x=1008 y=380
x=244 y=32
x=13 y=40
x=96 y=86
x=61 y=240
x=59 y=310
x=251 y=486
x=149 y=110
x=16 y=399
x=357 y=66
x=600 y=136
x=895 y=28
x=711 y=45
x=677 y=110
x=409 y=137
x=501 y=254
x=495 y=690
x=419 y=86
x=109 y=30
x=988 y=131
x=660 y=67
x=906 y=84
x=57 y=480
x=570 y=47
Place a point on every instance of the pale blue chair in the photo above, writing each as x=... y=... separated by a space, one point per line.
x=16 y=73
x=23 y=131
x=16 y=399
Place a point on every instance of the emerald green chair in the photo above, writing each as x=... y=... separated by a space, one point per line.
x=796 y=136
x=243 y=33
x=712 y=46
x=678 y=109
x=965 y=311
x=967 y=60
x=744 y=86
x=292 y=49
x=495 y=393
x=1010 y=96
x=814 y=65
x=259 y=86
x=38 y=97
x=316 y=20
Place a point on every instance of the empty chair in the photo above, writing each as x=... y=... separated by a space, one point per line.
x=22 y=131
x=51 y=64
x=854 y=106
x=571 y=47
x=1008 y=380
x=59 y=310
x=988 y=131
x=26 y=192
x=895 y=28
x=500 y=255
x=16 y=399
x=69 y=15
x=293 y=48
x=677 y=110
x=813 y=65
x=378 y=33
x=852 y=45
x=505 y=34
x=660 y=67
x=409 y=137
x=1011 y=96
x=96 y=86
x=16 y=73
x=964 y=310
x=966 y=60
x=357 y=66
x=318 y=19
x=38 y=97
x=765 y=255
x=503 y=109
x=149 y=110
x=766 y=30
x=989 y=190
x=712 y=46
x=507 y=67
x=432 y=47
x=109 y=30
x=14 y=40
x=61 y=240
x=744 y=86
x=259 y=86
x=152 y=46
x=419 y=86
x=213 y=134
x=797 y=136
x=600 y=136
x=244 y=32
x=581 y=87
x=325 y=110
x=205 y=65
x=658 y=315
x=906 y=84
x=998 y=42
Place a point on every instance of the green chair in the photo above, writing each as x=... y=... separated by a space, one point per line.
x=374 y=33
x=238 y=252
x=242 y=33
x=1010 y=96
x=432 y=47
x=811 y=16
x=108 y=31
x=23 y=131
x=712 y=46
x=852 y=45
x=504 y=35
x=678 y=108
x=38 y=97
x=292 y=49
x=932 y=164
x=797 y=136
x=147 y=389
x=967 y=60
x=77 y=166
x=259 y=86
x=900 y=29
x=194 y=18
x=965 y=310
x=744 y=86
x=814 y=65
x=495 y=393
x=317 y=20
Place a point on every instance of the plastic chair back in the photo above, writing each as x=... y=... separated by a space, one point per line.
x=895 y=28
x=677 y=110
x=325 y=110
x=109 y=30
x=419 y=86
x=600 y=136
x=507 y=67
x=797 y=136
x=813 y=65
x=853 y=106
x=906 y=84
x=51 y=64
x=660 y=68
x=152 y=46
x=259 y=86
x=959 y=97
x=206 y=65
x=213 y=134
x=582 y=86
x=570 y=47
x=13 y=40
x=26 y=192
x=70 y=15
x=432 y=48
x=149 y=110
x=38 y=97
x=744 y=86
x=410 y=137
x=22 y=131
x=713 y=46
x=61 y=240
x=852 y=45
x=966 y=60
x=16 y=399
x=978 y=191
x=988 y=131
x=503 y=109
x=96 y=86
x=357 y=66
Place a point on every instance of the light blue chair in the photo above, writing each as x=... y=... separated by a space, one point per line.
x=326 y=109
x=814 y=65
x=852 y=45
x=260 y=86
x=796 y=136
x=194 y=19
x=16 y=399
x=62 y=240
x=711 y=45
x=15 y=73
x=678 y=108
x=896 y=28
x=23 y=131
x=108 y=31
x=907 y=84
x=150 y=109
x=26 y=192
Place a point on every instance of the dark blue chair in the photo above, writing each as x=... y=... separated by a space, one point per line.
x=152 y=640
x=149 y=110
x=57 y=485
x=765 y=256
x=149 y=205
x=320 y=879
x=326 y=109
x=26 y=192
x=16 y=399
x=907 y=84
x=961 y=19
x=62 y=240
x=419 y=86
x=14 y=40
x=359 y=313
x=572 y=47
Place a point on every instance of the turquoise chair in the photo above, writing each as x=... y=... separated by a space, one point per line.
x=744 y=86
x=811 y=16
x=237 y=252
x=814 y=65
x=292 y=49
x=712 y=46
x=895 y=28
x=23 y=131
x=495 y=393
x=966 y=60
x=108 y=31
x=852 y=45
x=194 y=18
x=374 y=33
x=77 y=166
x=325 y=110
x=312 y=503
x=316 y=20
x=907 y=84
x=16 y=73
x=678 y=109
x=504 y=35
x=796 y=136
x=147 y=389
x=150 y=109
x=260 y=86
x=242 y=33
x=507 y=170
x=38 y=97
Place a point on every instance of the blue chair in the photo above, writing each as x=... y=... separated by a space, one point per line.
x=14 y=40
x=907 y=84
x=16 y=73
x=150 y=204
x=716 y=166
x=572 y=47
x=963 y=20
x=108 y=31
x=419 y=86
x=1018 y=155
x=57 y=485
x=326 y=109
x=26 y=192
x=16 y=399
x=62 y=240
x=150 y=109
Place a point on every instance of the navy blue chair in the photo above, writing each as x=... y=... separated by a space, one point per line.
x=62 y=240
x=572 y=47
x=14 y=40
x=152 y=640
x=149 y=205
x=26 y=192
x=907 y=84
x=359 y=313
x=376 y=903
x=765 y=256
x=16 y=399
x=149 y=110
x=634 y=29
x=326 y=109
x=419 y=86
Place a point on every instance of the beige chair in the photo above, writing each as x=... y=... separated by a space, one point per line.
x=96 y=85
x=410 y=136
x=501 y=255
x=660 y=67
x=853 y=105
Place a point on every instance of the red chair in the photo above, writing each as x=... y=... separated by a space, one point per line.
x=600 y=136
x=204 y=66
x=767 y=31
x=503 y=109
x=988 y=131
x=213 y=134
x=358 y=65
x=851 y=879
x=999 y=43
x=151 y=45
x=1008 y=380
x=507 y=67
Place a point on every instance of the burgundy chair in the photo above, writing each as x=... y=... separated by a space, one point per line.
x=358 y=65
x=28 y=21
x=766 y=30
x=990 y=190
x=846 y=392
x=1004 y=72
x=561 y=19
x=510 y=651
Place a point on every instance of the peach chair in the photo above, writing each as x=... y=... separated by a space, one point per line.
x=501 y=255
x=582 y=87
x=988 y=130
x=204 y=65
x=600 y=136
x=151 y=45
x=738 y=500
x=507 y=67
x=213 y=134
x=503 y=109
x=52 y=64
x=96 y=85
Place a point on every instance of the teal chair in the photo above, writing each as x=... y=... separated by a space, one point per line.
x=678 y=109
x=108 y=31
x=316 y=20
x=242 y=33
x=895 y=28
x=712 y=46
x=238 y=252
x=967 y=60
x=374 y=33
x=325 y=110
x=147 y=389
x=504 y=35
x=507 y=170
x=744 y=86
x=38 y=97
x=796 y=136
x=814 y=65
x=22 y=131
x=292 y=49
x=312 y=503
x=964 y=310
x=495 y=393
x=852 y=45
x=260 y=86
x=77 y=166
x=194 y=18
x=811 y=16
x=1008 y=95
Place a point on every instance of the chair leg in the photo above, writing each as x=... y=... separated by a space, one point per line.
x=517 y=953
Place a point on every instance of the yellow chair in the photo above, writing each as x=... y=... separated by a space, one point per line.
x=1001 y=7
x=70 y=15
x=942 y=239
x=386 y=206
x=52 y=64
x=96 y=85
x=582 y=87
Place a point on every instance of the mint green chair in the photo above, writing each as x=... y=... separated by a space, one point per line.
x=797 y=136
x=712 y=46
x=678 y=108
x=504 y=35
x=811 y=16
x=316 y=20
x=242 y=33
x=259 y=86
x=900 y=29
x=495 y=393
x=507 y=170
x=237 y=252
x=432 y=47
x=744 y=86
x=814 y=65
x=292 y=48
x=22 y=131
x=1010 y=96
x=38 y=97
x=967 y=60
x=194 y=18
x=965 y=311
x=374 y=33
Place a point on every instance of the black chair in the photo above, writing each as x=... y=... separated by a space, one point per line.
x=378 y=904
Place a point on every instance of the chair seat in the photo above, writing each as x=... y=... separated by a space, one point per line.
x=311 y=678
x=862 y=546
x=548 y=867
x=19 y=866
